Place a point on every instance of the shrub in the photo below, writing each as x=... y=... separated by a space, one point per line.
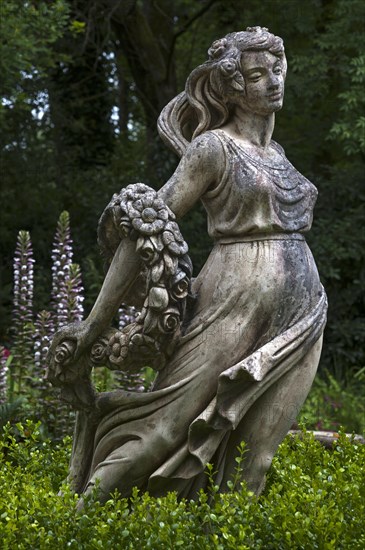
x=315 y=498
x=332 y=403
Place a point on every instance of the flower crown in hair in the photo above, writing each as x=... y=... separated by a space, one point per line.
x=226 y=52
x=220 y=47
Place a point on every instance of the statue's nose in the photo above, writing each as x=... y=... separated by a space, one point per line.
x=274 y=81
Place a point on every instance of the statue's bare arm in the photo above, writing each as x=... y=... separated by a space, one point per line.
x=200 y=168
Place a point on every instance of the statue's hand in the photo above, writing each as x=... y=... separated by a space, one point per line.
x=78 y=333
x=65 y=357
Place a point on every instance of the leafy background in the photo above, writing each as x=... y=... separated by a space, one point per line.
x=83 y=83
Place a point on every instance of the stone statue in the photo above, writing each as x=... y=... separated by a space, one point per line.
x=235 y=349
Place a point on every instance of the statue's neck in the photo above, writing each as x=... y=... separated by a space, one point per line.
x=252 y=127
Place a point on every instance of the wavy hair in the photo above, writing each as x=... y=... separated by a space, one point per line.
x=211 y=87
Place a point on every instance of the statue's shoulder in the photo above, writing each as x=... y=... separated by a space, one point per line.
x=275 y=145
x=208 y=144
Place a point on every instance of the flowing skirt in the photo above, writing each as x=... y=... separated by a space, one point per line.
x=244 y=364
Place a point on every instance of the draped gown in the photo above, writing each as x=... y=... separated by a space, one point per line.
x=249 y=347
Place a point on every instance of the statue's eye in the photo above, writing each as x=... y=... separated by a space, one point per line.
x=278 y=70
x=254 y=77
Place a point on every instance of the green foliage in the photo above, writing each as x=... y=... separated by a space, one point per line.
x=28 y=30
x=10 y=410
x=338 y=244
x=315 y=498
x=331 y=404
x=350 y=129
x=83 y=126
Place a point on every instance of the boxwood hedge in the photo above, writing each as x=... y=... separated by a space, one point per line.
x=314 y=498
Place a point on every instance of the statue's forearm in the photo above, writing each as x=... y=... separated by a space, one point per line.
x=121 y=275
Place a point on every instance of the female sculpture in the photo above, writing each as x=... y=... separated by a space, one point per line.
x=250 y=342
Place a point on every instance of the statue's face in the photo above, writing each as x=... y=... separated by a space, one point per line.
x=264 y=76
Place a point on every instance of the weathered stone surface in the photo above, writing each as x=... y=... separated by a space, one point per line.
x=236 y=360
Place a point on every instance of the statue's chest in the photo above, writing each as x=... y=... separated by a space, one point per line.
x=278 y=182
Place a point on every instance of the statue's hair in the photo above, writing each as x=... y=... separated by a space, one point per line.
x=212 y=86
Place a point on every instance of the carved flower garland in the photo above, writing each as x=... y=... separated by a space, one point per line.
x=137 y=212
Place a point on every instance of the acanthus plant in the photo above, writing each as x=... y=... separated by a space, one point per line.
x=4 y=371
x=67 y=290
x=23 y=327
x=32 y=335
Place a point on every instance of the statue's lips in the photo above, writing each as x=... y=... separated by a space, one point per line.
x=275 y=96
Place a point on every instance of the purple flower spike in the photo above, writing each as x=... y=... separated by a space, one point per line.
x=43 y=331
x=22 y=309
x=4 y=354
x=67 y=290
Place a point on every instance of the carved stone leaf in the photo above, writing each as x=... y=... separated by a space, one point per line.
x=157 y=271
x=237 y=83
x=140 y=243
x=150 y=322
x=157 y=242
x=170 y=264
x=158 y=298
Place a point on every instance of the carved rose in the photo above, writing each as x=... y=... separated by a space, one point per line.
x=227 y=67
x=217 y=48
x=64 y=353
x=62 y=369
x=170 y=320
x=180 y=289
x=98 y=354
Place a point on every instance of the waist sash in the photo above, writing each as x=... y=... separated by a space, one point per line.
x=261 y=237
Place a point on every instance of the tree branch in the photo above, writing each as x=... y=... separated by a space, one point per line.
x=185 y=27
x=196 y=16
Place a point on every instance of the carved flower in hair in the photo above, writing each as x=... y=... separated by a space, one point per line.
x=217 y=48
x=228 y=67
x=257 y=29
x=148 y=213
